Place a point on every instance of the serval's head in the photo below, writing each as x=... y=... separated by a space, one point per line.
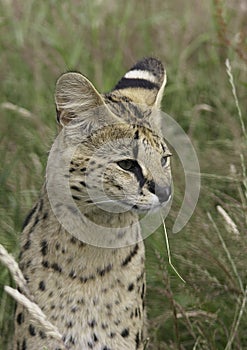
x=120 y=158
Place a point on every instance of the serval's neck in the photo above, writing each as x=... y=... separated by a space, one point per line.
x=94 y=226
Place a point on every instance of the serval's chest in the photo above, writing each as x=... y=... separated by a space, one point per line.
x=95 y=296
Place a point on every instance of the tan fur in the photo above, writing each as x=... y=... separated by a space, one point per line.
x=95 y=295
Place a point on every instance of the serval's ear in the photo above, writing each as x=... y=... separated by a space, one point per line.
x=144 y=83
x=74 y=95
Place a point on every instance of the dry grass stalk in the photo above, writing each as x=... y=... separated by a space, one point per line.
x=237 y=322
x=15 y=271
x=234 y=93
x=229 y=257
x=20 y=110
x=39 y=318
x=230 y=224
x=197 y=313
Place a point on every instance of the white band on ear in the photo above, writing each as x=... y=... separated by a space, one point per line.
x=140 y=74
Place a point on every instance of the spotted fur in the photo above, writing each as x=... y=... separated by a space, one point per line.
x=96 y=295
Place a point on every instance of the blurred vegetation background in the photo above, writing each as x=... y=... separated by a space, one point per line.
x=40 y=40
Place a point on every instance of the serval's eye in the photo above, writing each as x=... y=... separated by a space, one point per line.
x=127 y=164
x=164 y=160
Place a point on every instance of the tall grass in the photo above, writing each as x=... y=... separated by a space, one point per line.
x=40 y=40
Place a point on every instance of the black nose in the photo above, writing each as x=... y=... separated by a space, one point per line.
x=162 y=192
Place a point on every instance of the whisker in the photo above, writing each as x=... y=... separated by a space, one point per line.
x=92 y=197
x=168 y=250
x=101 y=202
x=109 y=197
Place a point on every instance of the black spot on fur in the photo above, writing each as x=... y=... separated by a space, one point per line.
x=125 y=333
x=83 y=279
x=35 y=223
x=32 y=330
x=140 y=277
x=72 y=274
x=129 y=257
x=81 y=301
x=104 y=326
x=86 y=279
x=27 y=245
x=45 y=216
x=28 y=263
x=73 y=240
x=42 y=335
x=136 y=135
x=102 y=272
x=72 y=340
x=20 y=318
x=46 y=264
x=75 y=188
x=69 y=324
x=131 y=287
x=137 y=312
x=44 y=247
x=92 y=323
x=143 y=291
x=29 y=216
x=24 y=345
x=137 y=340
x=76 y=198
x=95 y=338
x=58 y=120
x=83 y=183
x=109 y=306
x=42 y=285
x=56 y=267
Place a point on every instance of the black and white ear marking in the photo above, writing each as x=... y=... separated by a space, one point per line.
x=144 y=82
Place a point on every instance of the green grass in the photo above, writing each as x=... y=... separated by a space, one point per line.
x=40 y=40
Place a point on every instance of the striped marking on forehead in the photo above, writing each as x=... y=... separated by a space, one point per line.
x=148 y=138
x=127 y=110
x=140 y=74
